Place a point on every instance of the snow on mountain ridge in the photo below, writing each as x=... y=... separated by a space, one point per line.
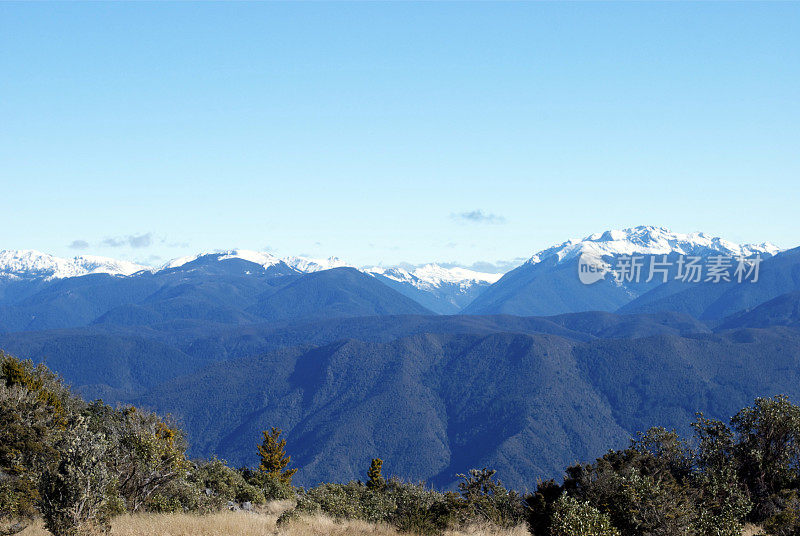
x=257 y=257
x=31 y=263
x=642 y=240
x=308 y=265
x=432 y=275
x=647 y=240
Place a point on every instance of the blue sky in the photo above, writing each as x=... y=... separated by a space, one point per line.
x=385 y=132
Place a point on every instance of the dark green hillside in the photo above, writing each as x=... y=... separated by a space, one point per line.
x=433 y=403
x=782 y=311
x=112 y=367
x=340 y=292
x=526 y=404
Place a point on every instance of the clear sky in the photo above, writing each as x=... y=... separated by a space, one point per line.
x=383 y=132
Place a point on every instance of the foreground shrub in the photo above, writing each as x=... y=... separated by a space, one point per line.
x=75 y=493
x=767 y=452
x=409 y=507
x=419 y=510
x=347 y=501
x=413 y=507
x=267 y=485
x=215 y=478
x=34 y=406
x=146 y=452
x=574 y=518
x=786 y=522
x=485 y=499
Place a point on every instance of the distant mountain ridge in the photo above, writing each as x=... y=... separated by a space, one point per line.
x=31 y=264
x=650 y=240
x=441 y=289
x=546 y=284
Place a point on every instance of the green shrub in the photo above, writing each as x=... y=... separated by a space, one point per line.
x=18 y=497
x=409 y=507
x=574 y=518
x=786 y=522
x=164 y=503
x=767 y=452
x=348 y=501
x=34 y=406
x=74 y=493
x=419 y=510
x=181 y=495
x=270 y=487
x=146 y=452
x=215 y=479
x=288 y=517
x=484 y=499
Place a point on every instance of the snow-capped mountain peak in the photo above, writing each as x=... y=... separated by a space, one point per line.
x=257 y=257
x=307 y=265
x=28 y=263
x=433 y=275
x=648 y=240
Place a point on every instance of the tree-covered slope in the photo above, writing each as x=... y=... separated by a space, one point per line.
x=435 y=404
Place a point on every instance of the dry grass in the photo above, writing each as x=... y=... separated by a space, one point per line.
x=219 y=524
x=752 y=530
x=321 y=525
x=260 y=523
x=325 y=526
x=489 y=530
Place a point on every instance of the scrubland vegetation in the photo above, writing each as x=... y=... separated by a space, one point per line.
x=71 y=468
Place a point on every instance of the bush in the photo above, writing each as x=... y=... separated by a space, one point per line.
x=165 y=503
x=146 y=452
x=347 y=501
x=288 y=517
x=419 y=510
x=409 y=507
x=182 y=496
x=18 y=497
x=33 y=410
x=215 y=479
x=74 y=493
x=269 y=486
x=574 y=518
x=484 y=499
x=787 y=521
x=767 y=453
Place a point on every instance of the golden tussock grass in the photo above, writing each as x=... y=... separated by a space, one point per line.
x=259 y=523
x=262 y=523
x=752 y=530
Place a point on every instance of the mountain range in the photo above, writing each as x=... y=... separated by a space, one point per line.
x=545 y=284
x=435 y=369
